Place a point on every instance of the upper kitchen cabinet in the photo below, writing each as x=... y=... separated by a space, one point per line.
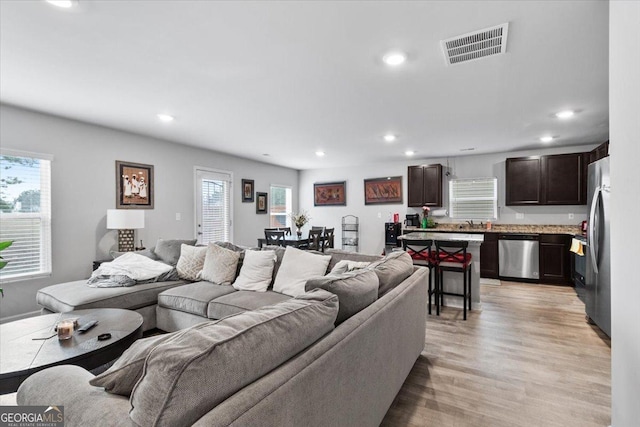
x=600 y=152
x=425 y=185
x=546 y=180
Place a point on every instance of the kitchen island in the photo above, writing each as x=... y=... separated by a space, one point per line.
x=453 y=282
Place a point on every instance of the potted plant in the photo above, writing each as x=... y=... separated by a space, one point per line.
x=3 y=263
x=299 y=220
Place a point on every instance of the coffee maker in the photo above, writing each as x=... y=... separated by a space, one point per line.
x=413 y=220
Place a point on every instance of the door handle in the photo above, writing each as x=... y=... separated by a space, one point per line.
x=592 y=243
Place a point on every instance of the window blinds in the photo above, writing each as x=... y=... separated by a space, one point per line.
x=214 y=207
x=473 y=198
x=25 y=214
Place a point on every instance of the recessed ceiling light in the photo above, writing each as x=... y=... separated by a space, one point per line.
x=394 y=58
x=63 y=3
x=546 y=139
x=565 y=114
x=165 y=118
x=409 y=153
x=319 y=153
x=390 y=137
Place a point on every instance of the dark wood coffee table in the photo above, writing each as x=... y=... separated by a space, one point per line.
x=21 y=355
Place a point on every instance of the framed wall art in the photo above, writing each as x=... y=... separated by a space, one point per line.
x=247 y=191
x=383 y=190
x=330 y=194
x=261 y=203
x=134 y=185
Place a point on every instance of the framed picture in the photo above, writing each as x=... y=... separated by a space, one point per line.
x=383 y=190
x=247 y=191
x=261 y=203
x=330 y=194
x=134 y=185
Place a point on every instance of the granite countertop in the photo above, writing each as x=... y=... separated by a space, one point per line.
x=500 y=228
x=431 y=235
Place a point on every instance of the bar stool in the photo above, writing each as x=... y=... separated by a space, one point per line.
x=453 y=256
x=421 y=255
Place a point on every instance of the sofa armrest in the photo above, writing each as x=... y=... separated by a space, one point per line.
x=84 y=404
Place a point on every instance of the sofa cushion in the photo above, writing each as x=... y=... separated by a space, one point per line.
x=256 y=271
x=279 y=250
x=392 y=270
x=186 y=377
x=346 y=265
x=193 y=298
x=356 y=290
x=220 y=265
x=127 y=370
x=191 y=261
x=145 y=252
x=78 y=296
x=169 y=250
x=338 y=255
x=240 y=301
x=297 y=267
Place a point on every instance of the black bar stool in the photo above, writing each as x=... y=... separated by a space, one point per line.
x=420 y=253
x=453 y=256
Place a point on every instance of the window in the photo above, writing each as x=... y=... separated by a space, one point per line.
x=281 y=206
x=473 y=198
x=213 y=206
x=25 y=214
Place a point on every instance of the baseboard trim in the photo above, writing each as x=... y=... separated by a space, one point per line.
x=19 y=316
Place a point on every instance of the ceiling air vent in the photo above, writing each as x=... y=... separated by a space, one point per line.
x=476 y=45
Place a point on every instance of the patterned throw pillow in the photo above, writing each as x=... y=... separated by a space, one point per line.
x=220 y=265
x=191 y=261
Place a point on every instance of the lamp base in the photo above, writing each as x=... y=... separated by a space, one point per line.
x=126 y=240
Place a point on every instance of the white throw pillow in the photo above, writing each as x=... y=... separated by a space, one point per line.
x=255 y=274
x=191 y=261
x=297 y=267
x=220 y=265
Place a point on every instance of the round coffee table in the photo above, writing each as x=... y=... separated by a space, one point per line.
x=22 y=356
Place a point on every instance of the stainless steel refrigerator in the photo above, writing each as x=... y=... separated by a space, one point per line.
x=598 y=269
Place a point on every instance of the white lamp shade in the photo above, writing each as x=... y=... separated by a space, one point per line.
x=125 y=219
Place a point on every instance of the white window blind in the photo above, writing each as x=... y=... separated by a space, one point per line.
x=473 y=198
x=280 y=207
x=213 y=206
x=25 y=214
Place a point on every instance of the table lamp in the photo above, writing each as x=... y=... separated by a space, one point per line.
x=125 y=221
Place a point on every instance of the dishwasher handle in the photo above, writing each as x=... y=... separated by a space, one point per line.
x=518 y=236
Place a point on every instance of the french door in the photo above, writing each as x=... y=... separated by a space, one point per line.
x=213 y=206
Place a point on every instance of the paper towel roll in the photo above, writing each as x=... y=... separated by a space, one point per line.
x=439 y=212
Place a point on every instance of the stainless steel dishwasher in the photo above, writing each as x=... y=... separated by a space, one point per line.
x=519 y=255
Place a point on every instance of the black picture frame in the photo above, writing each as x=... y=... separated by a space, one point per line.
x=248 y=192
x=138 y=194
x=384 y=190
x=330 y=194
x=261 y=203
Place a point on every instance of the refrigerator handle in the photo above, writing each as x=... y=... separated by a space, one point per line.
x=592 y=242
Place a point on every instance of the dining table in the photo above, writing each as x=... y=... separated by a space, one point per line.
x=290 y=240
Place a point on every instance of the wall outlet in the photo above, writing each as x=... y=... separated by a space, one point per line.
x=379 y=214
x=519 y=215
x=570 y=216
x=178 y=216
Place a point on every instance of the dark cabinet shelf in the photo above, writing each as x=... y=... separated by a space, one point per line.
x=489 y=267
x=425 y=185
x=555 y=259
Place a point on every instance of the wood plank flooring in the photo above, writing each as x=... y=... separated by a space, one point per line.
x=527 y=359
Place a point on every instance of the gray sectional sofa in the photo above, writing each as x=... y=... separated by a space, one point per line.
x=349 y=376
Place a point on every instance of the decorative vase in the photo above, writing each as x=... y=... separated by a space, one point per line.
x=299 y=232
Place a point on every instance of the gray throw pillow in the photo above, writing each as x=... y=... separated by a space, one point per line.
x=279 y=250
x=145 y=252
x=169 y=250
x=338 y=255
x=356 y=290
x=186 y=377
x=392 y=270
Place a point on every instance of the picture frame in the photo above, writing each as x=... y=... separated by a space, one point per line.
x=330 y=194
x=383 y=190
x=134 y=185
x=261 y=203
x=248 y=192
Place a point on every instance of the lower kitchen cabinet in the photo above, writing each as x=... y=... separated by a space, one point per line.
x=489 y=256
x=555 y=259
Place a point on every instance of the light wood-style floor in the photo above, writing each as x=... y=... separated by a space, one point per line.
x=527 y=359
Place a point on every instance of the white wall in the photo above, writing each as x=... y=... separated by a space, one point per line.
x=372 y=218
x=624 y=103
x=83 y=188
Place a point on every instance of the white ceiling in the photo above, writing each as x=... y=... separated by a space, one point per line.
x=289 y=78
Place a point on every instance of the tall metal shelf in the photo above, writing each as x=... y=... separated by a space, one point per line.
x=350 y=233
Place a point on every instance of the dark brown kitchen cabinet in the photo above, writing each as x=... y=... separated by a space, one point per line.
x=489 y=256
x=425 y=185
x=555 y=259
x=546 y=180
x=600 y=152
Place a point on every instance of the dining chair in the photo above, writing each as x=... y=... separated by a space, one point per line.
x=327 y=238
x=453 y=256
x=421 y=255
x=274 y=237
x=316 y=227
x=315 y=240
